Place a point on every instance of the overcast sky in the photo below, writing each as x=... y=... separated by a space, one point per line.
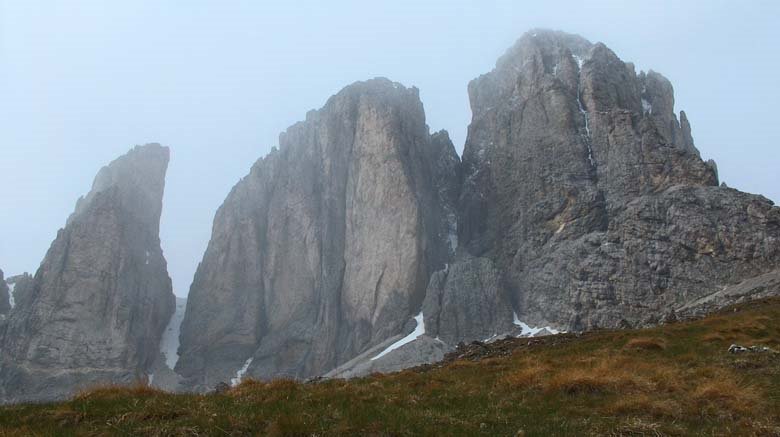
x=81 y=82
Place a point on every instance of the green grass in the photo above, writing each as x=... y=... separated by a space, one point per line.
x=673 y=380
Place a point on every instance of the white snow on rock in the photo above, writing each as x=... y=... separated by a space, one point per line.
x=529 y=331
x=579 y=60
x=453 y=241
x=452 y=234
x=487 y=340
x=240 y=373
x=647 y=108
x=418 y=331
x=584 y=113
x=11 y=295
x=169 y=345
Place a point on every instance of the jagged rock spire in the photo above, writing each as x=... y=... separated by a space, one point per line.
x=98 y=304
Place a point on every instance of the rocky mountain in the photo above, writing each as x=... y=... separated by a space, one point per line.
x=96 y=309
x=326 y=247
x=365 y=244
x=581 y=202
x=589 y=196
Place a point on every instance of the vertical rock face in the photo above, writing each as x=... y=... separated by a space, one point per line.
x=326 y=247
x=97 y=307
x=589 y=196
x=466 y=302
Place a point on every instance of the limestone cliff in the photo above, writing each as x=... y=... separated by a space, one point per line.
x=97 y=306
x=589 y=196
x=326 y=247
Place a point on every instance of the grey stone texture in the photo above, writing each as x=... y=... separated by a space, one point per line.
x=96 y=308
x=325 y=249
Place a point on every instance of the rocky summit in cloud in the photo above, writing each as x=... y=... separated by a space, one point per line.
x=365 y=244
x=581 y=203
x=96 y=309
x=587 y=193
x=325 y=249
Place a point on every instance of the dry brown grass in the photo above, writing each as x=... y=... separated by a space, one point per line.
x=254 y=390
x=529 y=375
x=646 y=344
x=116 y=391
x=660 y=381
x=64 y=416
x=644 y=404
x=713 y=337
x=599 y=375
x=724 y=396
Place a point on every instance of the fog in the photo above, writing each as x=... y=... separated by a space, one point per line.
x=81 y=82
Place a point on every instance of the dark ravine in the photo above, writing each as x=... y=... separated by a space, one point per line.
x=96 y=308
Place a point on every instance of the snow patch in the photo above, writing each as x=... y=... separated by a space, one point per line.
x=579 y=60
x=240 y=373
x=418 y=331
x=487 y=340
x=11 y=295
x=453 y=240
x=647 y=107
x=169 y=346
x=529 y=331
x=584 y=112
x=452 y=234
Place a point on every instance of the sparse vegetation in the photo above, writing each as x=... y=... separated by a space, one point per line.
x=677 y=379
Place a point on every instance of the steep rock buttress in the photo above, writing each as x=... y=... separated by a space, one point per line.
x=326 y=247
x=97 y=306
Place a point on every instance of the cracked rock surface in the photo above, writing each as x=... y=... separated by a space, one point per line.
x=95 y=310
x=586 y=191
x=325 y=249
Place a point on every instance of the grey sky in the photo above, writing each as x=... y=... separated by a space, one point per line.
x=217 y=81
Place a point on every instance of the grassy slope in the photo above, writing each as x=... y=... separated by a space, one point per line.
x=676 y=379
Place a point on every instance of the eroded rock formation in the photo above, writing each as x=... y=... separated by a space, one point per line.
x=588 y=194
x=326 y=247
x=96 y=309
x=364 y=244
x=581 y=202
